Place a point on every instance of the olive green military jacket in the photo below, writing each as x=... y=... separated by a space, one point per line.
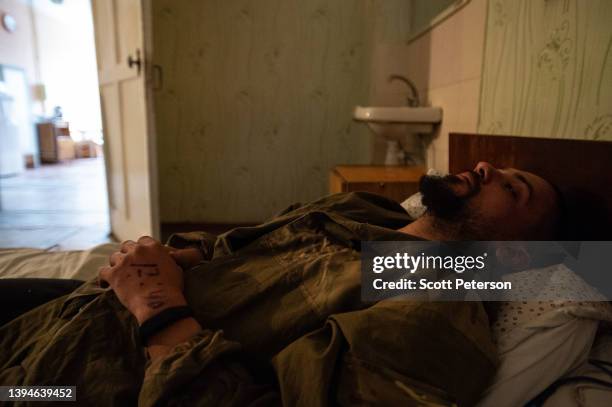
x=283 y=325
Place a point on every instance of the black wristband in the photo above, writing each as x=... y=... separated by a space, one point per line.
x=160 y=321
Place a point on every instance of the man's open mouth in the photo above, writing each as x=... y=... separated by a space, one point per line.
x=471 y=178
x=467 y=177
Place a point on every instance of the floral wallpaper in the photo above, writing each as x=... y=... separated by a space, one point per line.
x=547 y=69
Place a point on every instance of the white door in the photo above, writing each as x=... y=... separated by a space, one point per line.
x=128 y=138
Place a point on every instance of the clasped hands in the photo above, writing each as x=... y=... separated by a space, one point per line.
x=147 y=277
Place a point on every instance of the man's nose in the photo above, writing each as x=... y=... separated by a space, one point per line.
x=485 y=170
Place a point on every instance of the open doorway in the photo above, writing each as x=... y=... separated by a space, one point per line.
x=52 y=179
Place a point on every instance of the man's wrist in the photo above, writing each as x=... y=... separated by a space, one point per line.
x=144 y=311
x=175 y=333
x=160 y=344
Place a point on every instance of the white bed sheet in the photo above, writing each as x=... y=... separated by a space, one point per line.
x=584 y=394
x=36 y=263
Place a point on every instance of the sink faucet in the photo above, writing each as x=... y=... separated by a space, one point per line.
x=413 y=101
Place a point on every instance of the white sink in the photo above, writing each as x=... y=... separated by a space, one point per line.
x=394 y=119
x=401 y=114
x=394 y=123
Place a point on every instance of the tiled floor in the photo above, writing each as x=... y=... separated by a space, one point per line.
x=62 y=206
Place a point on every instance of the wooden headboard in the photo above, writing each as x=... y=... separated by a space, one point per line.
x=582 y=169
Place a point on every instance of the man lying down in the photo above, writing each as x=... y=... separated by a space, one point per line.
x=271 y=315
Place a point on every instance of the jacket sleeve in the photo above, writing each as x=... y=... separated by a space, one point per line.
x=203 y=371
x=202 y=240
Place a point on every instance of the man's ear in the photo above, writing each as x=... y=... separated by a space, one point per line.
x=515 y=257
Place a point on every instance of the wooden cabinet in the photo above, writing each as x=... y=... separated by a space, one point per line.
x=47 y=142
x=395 y=182
x=54 y=142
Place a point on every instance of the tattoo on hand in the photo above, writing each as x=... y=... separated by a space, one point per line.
x=156 y=299
x=151 y=270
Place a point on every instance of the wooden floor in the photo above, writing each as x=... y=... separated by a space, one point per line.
x=60 y=207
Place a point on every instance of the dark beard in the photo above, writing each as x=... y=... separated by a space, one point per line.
x=440 y=199
x=452 y=214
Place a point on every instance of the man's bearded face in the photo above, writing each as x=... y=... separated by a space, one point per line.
x=489 y=203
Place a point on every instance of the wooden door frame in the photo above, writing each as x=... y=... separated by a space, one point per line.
x=147 y=39
x=151 y=139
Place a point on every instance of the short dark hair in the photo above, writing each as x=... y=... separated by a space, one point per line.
x=562 y=220
x=582 y=215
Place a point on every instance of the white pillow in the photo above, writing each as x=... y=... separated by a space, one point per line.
x=541 y=341
x=413 y=205
x=583 y=393
x=544 y=356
